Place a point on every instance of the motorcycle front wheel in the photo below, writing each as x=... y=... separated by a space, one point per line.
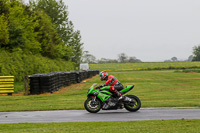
x=135 y=106
x=92 y=105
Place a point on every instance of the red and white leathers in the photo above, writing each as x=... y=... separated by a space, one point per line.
x=114 y=84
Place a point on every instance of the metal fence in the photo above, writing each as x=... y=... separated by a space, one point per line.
x=50 y=82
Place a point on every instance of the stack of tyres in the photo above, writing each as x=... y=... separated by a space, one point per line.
x=97 y=72
x=90 y=73
x=54 y=85
x=73 y=77
x=57 y=81
x=93 y=73
x=78 y=77
x=67 y=78
x=35 y=84
x=62 y=79
x=46 y=83
x=81 y=76
x=50 y=82
x=85 y=75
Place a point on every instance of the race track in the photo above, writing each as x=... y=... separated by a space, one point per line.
x=112 y=115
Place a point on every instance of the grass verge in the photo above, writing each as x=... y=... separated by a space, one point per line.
x=156 y=126
x=154 y=88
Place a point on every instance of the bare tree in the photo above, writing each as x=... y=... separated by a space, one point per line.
x=122 y=57
x=134 y=59
x=174 y=59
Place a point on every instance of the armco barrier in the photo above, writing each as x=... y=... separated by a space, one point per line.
x=6 y=85
x=50 y=82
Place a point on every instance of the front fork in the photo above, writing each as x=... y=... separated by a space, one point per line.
x=94 y=98
x=93 y=101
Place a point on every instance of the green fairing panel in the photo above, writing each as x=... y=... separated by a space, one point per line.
x=106 y=87
x=103 y=97
x=104 y=94
x=108 y=92
x=91 y=90
x=128 y=88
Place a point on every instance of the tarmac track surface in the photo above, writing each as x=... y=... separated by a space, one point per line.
x=163 y=113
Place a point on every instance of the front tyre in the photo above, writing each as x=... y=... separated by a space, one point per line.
x=135 y=106
x=92 y=105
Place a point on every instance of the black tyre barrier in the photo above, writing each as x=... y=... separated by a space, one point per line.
x=50 y=82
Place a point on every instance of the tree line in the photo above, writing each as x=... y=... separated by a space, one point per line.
x=194 y=57
x=122 y=58
x=41 y=27
x=175 y=59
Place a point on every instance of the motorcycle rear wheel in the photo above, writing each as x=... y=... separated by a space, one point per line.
x=133 y=107
x=92 y=106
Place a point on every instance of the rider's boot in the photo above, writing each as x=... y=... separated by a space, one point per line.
x=127 y=99
x=106 y=106
x=120 y=97
x=123 y=98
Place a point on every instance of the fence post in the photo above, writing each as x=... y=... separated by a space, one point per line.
x=26 y=85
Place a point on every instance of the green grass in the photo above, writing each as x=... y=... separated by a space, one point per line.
x=18 y=87
x=144 y=66
x=157 y=126
x=154 y=88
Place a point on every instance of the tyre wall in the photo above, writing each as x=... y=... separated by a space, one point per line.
x=50 y=82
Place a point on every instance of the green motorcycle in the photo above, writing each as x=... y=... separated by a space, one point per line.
x=99 y=97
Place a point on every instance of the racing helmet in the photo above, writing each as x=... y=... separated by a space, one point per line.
x=103 y=75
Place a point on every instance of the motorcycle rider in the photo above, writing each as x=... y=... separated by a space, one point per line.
x=115 y=85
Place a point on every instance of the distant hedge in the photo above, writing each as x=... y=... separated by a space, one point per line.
x=140 y=66
x=19 y=65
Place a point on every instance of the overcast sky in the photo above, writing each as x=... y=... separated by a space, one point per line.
x=151 y=30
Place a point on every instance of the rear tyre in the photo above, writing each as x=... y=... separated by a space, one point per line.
x=92 y=106
x=133 y=107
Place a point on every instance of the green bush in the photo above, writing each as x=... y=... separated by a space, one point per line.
x=191 y=70
x=19 y=65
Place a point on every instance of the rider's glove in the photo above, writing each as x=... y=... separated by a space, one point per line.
x=102 y=85
x=98 y=87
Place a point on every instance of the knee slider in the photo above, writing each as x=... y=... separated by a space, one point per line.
x=112 y=89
